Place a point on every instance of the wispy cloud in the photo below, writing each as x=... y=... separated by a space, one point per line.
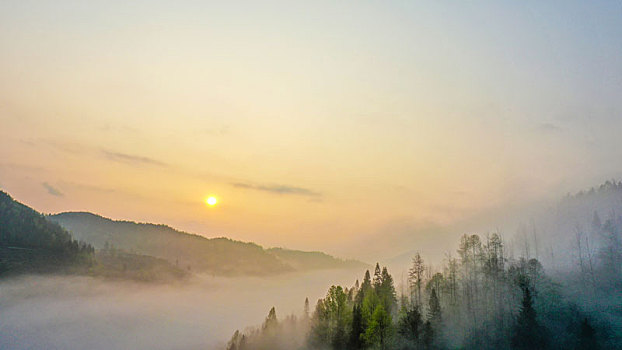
x=87 y=187
x=131 y=159
x=549 y=127
x=278 y=189
x=52 y=190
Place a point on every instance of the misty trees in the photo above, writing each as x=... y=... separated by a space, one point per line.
x=415 y=277
x=356 y=318
x=481 y=300
x=290 y=333
x=434 y=309
x=470 y=252
x=386 y=291
x=237 y=341
x=330 y=321
x=409 y=327
x=379 y=328
x=611 y=253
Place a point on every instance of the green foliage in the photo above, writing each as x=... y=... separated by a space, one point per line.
x=483 y=300
x=386 y=292
x=364 y=289
x=410 y=327
x=357 y=330
x=380 y=329
x=332 y=319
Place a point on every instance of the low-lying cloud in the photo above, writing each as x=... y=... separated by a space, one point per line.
x=69 y=312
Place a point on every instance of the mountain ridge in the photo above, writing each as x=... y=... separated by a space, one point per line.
x=219 y=255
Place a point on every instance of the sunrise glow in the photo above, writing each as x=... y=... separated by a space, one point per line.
x=211 y=201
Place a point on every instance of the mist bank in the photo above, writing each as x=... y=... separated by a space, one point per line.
x=481 y=300
x=561 y=232
x=76 y=312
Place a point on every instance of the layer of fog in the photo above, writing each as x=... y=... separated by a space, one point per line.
x=546 y=229
x=86 y=313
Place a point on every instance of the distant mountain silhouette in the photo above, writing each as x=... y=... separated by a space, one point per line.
x=219 y=256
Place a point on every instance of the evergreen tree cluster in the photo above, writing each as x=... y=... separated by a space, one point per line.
x=479 y=300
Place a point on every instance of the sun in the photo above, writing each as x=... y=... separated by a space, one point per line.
x=211 y=201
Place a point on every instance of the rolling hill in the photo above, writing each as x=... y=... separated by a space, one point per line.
x=218 y=256
x=31 y=243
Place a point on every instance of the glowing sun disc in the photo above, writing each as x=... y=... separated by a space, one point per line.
x=211 y=201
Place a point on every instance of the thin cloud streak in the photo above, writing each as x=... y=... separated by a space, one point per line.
x=278 y=189
x=51 y=190
x=132 y=159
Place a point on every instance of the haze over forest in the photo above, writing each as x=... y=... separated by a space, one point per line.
x=285 y=175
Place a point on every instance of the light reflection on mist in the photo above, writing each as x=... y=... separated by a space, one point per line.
x=86 y=313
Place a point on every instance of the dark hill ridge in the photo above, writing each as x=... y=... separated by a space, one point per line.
x=221 y=256
x=30 y=243
x=311 y=260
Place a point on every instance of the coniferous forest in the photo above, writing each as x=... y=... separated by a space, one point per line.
x=478 y=299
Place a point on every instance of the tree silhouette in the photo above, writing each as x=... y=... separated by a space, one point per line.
x=587 y=337
x=528 y=334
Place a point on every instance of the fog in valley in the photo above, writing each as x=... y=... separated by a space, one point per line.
x=318 y=175
x=64 y=312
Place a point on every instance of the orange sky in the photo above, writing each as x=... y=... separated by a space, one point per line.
x=313 y=124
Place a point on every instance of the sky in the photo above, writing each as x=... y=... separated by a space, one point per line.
x=316 y=124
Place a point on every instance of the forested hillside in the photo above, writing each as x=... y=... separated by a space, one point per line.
x=220 y=256
x=581 y=229
x=479 y=300
x=31 y=243
x=300 y=260
x=485 y=295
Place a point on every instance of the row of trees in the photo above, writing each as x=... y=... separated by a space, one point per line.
x=479 y=299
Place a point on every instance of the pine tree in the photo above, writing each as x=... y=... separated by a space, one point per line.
x=434 y=310
x=379 y=329
x=415 y=277
x=528 y=334
x=410 y=326
x=271 y=322
x=365 y=287
x=386 y=291
x=233 y=344
x=377 y=277
x=306 y=309
x=356 y=329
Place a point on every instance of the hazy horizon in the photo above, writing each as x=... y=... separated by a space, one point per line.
x=315 y=125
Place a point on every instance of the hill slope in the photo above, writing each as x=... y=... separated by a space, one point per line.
x=31 y=243
x=221 y=256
